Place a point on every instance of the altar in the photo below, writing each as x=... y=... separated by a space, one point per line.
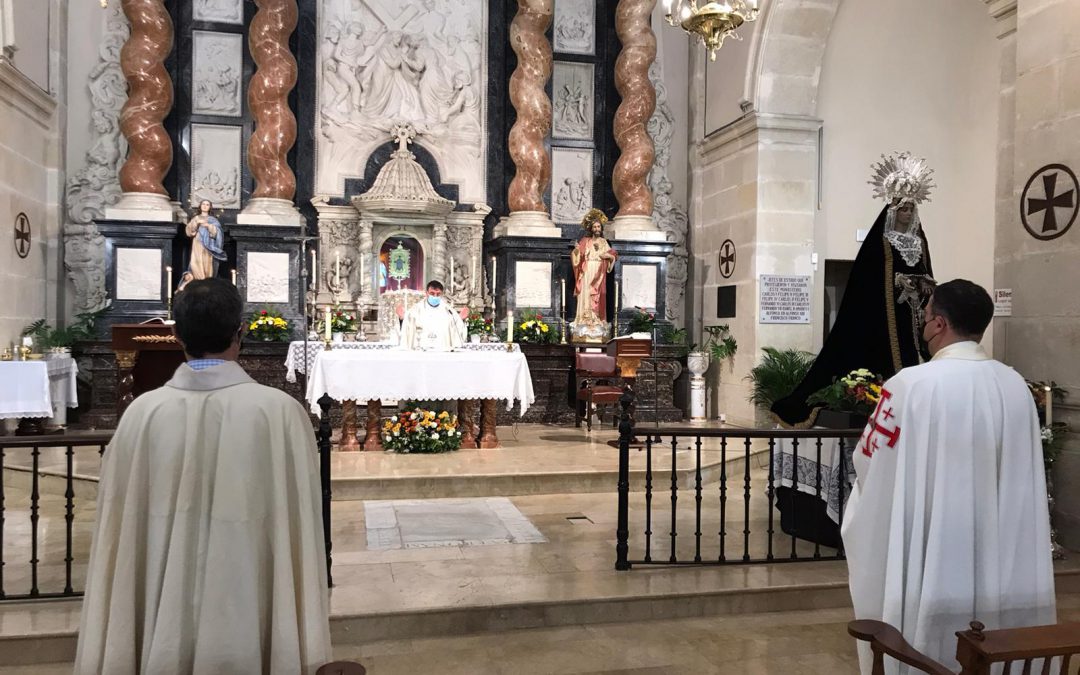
x=373 y=375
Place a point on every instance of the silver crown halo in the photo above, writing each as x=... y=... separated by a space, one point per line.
x=902 y=177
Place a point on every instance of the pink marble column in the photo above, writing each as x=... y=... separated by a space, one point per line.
x=268 y=92
x=533 y=107
x=150 y=97
x=638 y=102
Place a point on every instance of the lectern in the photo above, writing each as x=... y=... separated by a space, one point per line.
x=147 y=354
x=628 y=353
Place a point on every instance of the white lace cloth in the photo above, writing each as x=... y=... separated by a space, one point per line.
x=364 y=375
x=24 y=389
x=804 y=473
x=296 y=363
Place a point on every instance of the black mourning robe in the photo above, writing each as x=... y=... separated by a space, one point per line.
x=872 y=330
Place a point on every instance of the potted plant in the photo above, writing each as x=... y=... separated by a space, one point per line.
x=60 y=340
x=534 y=330
x=641 y=321
x=421 y=431
x=848 y=401
x=777 y=375
x=342 y=323
x=267 y=325
x=478 y=327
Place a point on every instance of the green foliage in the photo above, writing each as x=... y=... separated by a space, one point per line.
x=641 y=321
x=780 y=371
x=476 y=324
x=677 y=337
x=720 y=343
x=857 y=392
x=47 y=337
x=532 y=329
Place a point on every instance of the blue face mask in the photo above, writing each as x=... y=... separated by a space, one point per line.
x=433 y=300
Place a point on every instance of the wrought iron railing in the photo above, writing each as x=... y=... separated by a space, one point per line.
x=759 y=541
x=20 y=457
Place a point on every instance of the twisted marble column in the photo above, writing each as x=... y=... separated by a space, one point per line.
x=268 y=93
x=638 y=102
x=150 y=98
x=533 y=166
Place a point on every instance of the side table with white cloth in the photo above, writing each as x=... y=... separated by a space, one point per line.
x=34 y=390
x=467 y=375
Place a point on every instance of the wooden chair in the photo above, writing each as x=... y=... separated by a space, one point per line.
x=978 y=649
x=594 y=379
x=341 y=668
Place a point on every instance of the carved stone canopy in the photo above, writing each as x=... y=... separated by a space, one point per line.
x=402 y=185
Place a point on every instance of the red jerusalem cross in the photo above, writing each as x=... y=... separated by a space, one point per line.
x=878 y=426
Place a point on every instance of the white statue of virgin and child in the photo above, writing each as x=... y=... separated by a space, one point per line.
x=207 y=245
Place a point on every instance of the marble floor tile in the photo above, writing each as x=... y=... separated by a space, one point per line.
x=427 y=523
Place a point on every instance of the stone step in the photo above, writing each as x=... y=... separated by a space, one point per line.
x=45 y=632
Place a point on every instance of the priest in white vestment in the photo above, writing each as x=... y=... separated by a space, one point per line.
x=208 y=556
x=948 y=521
x=432 y=325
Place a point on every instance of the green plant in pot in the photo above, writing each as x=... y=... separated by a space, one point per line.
x=778 y=373
x=62 y=339
x=720 y=344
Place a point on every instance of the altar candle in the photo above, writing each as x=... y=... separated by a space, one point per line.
x=509 y=326
x=1049 y=406
x=562 y=306
x=326 y=324
x=234 y=277
x=616 y=303
x=314 y=271
x=337 y=268
x=168 y=282
x=492 y=277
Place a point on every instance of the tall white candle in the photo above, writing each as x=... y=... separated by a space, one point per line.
x=168 y=282
x=562 y=305
x=1049 y=405
x=509 y=326
x=313 y=283
x=616 y=303
x=337 y=268
x=493 y=278
x=234 y=277
x=326 y=324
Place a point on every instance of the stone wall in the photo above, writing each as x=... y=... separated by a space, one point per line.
x=31 y=176
x=1040 y=113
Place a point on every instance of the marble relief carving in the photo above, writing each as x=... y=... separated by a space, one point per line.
x=150 y=96
x=268 y=92
x=668 y=215
x=215 y=165
x=385 y=62
x=575 y=30
x=138 y=273
x=221 y=11
x=267 y=277
x=217 y=67
x=571 y=184
x=526 y=141
x=636 y=152
x=97 y=184
x=573 y=92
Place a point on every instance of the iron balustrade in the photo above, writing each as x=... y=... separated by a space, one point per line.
x=734 y=444
x=12 y=447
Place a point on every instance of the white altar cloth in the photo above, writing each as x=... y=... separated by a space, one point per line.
x=296 y=362
x=24 y=389
x=63 y=386
x=365 y=374
x=803 y=475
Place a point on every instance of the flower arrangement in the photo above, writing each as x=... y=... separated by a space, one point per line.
x=421 y=431
x=1051 y=434
x=478 y=325
x=857 y=392
x=342 y=321
x=641 y=321
x=268 y=326
x=534 y=330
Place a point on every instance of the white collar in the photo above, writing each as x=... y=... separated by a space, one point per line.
x=968 y=350
x=227 y=374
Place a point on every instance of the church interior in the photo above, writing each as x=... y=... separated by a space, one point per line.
x=645 y=217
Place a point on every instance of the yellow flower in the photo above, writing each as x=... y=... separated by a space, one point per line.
x=443 y=415
x=396 y=428
x=876 y=388
x=543 y=327
x=253 y=327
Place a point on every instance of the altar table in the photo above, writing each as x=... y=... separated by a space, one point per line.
x=375 y=374
x=297 y=360
x=38 y=389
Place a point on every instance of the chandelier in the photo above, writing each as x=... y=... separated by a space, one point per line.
x=712 y=21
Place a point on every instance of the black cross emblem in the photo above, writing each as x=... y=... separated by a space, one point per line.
x=22 y=235
x=1031 y=206
x=727 y=258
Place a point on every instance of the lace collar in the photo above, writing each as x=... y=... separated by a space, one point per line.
x=908 y=245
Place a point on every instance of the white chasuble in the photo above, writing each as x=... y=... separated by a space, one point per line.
x=432 y=329
x=208 y=555
x=948 y=520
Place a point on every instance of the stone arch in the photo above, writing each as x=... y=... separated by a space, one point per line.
x=784 y=75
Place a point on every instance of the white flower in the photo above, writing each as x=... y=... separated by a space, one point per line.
x=387 y=437
x=435 y=437
x=397 y=433
x=394 y=418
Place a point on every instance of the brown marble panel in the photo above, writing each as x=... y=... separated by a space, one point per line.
x=529 y=41
x=631 y=171
x=268 y=92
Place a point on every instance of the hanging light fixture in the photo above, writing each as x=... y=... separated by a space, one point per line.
x=712 y=22
x=104 y=4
